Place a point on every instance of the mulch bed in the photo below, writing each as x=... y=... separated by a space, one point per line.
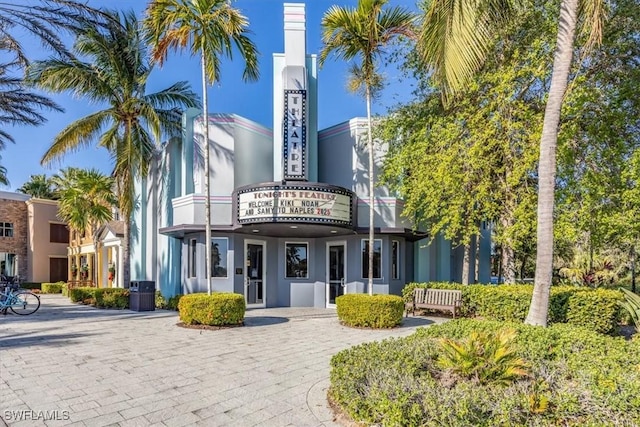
x=208 y=327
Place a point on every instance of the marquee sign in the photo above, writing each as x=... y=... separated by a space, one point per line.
x=295 y=134
x=316 y=203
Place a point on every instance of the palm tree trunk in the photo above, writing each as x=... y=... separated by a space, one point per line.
x=207 y=183
x=126 y=261
x=539 y=308
x=371 y=198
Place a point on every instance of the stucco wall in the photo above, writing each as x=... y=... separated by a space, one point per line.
x=41 y=214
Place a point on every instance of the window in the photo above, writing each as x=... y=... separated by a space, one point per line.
x=395 y=259
x=296 y=254
x=191 y=259
x=8 y=263
x=58 y=233
x=377 y=258
x=6 y=229
x=219 y=249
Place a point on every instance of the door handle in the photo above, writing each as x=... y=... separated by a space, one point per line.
x=342 y=283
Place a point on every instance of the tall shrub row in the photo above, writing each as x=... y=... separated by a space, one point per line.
x=596 y=309
x=101 y=297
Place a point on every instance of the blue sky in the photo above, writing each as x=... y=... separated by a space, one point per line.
x=232 y=95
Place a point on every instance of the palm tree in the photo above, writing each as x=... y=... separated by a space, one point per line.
x=46 y=20
x=115 y=74
x=85 y=200
x=38 y=186
x=210 y=28
x=363 y=32
x=454 y=38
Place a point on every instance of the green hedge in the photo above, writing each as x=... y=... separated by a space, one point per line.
x=80 y=294
x=598 y=310
x=101 y=297
x=53 y=288
x=363 y=310
x=576 y=377
x=595 y=309
x=31 y=285
x=167 y=304
x=111 y=298
x=217 y=309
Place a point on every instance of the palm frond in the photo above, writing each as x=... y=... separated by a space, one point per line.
x=47 y=21
x=631 y=304
x=178 y=94
x=78 y=134
x=210 y=27
x=455 y=36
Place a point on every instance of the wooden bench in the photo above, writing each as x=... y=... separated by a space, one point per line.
x=435 y=299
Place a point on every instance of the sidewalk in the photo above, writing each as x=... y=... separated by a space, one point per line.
x=89 y=367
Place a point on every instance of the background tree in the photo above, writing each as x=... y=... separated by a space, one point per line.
x=598 y=141
x=363 y=32
x=210 y=28
x=132 y=123
x=85 y=200
x=38 y=186
x=473 y=159
x=454 y=40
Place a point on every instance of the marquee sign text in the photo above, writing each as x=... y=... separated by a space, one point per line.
x=295 y=204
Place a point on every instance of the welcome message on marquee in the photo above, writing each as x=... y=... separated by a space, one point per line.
x=294 y=203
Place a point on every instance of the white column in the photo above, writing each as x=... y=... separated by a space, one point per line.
x=119 y=278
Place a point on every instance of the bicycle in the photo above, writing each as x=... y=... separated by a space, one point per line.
x=20 y=301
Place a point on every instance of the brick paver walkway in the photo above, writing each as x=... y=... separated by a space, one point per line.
x=92 y=367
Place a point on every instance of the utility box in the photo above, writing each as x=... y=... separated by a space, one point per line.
x=142 y=295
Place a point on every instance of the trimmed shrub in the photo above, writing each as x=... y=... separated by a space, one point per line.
x=217 y=309
x=81 y=294
x=363 y=310
x=595 y=309
x=31 y=285
x=167 y=304
x=100 y=297
x=53 y=288
x=598 y=310
x=576 y=377
x=111 y=298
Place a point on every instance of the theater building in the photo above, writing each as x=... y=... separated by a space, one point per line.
x=289 y=205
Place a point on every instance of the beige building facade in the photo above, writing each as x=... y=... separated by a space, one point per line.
x=33 y=240
x=48 y=240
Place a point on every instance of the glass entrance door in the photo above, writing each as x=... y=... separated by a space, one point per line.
x=336 y=271
x=254 y=290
